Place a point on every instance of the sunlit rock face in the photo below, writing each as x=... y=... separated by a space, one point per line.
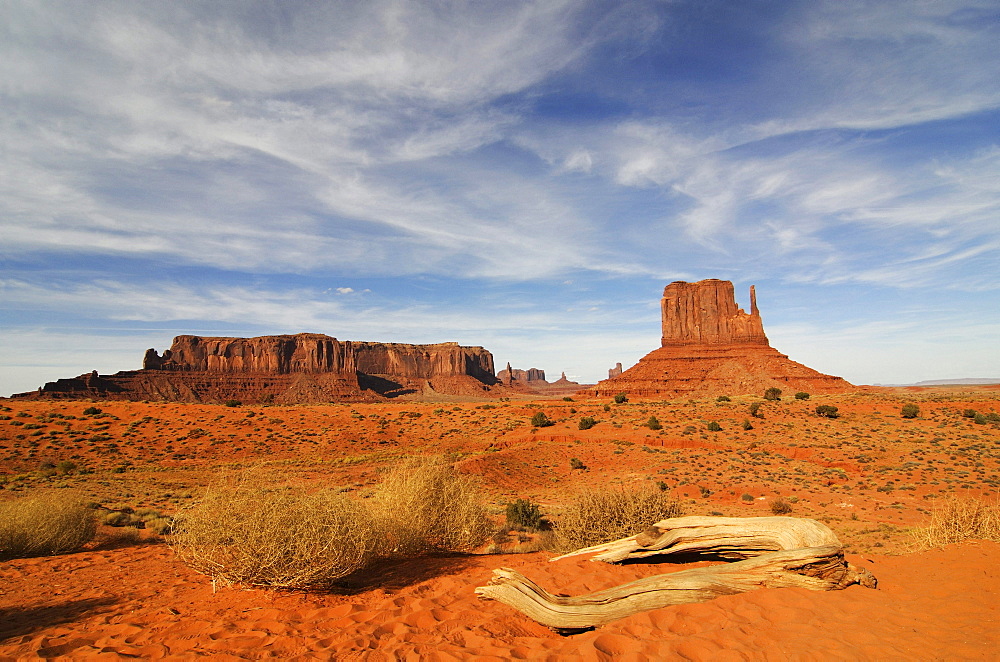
x=710 y=346
x=300 y=368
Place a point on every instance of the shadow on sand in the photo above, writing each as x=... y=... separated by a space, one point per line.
x=18 y=621
x=399 y=573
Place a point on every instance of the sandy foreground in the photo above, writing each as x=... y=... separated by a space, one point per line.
x=139 y=601
x=869 y=475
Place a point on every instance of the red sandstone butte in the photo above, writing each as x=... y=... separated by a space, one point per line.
x=290 y=369
x=710 y=346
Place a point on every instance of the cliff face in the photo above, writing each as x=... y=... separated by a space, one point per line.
x=318 y=353
x=301 y=368
x=709 y=346
x=705 y=313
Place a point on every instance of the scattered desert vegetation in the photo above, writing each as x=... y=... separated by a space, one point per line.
x=322 y=506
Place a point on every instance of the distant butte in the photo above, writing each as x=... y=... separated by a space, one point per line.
x=709 y=346
x=532 y=381
x=289 y=369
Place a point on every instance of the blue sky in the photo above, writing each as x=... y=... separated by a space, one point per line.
x=525 y=176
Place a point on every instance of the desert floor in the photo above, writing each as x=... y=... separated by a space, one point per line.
x=870 y=475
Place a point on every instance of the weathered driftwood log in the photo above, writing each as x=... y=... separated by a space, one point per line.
x=722 y=537
x=817 y=568
x=809 y=556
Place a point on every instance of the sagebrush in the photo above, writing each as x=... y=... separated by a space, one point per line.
x=44 y=524
x=427 y=505
x=245 y=531
x=601 y=515
x=287 y=537
x=956 y=519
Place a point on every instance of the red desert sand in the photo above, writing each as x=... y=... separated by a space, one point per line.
x=139 y=602
x=869 y=474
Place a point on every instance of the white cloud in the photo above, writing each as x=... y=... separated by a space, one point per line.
x=400 y=139
x=878 y=65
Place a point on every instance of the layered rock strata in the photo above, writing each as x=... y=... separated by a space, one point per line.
x=301 y=368
x=710 y=346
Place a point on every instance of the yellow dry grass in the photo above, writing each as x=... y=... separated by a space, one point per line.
x=601 y=515
x=243 y=531
x=49 y=523
x=246 y=531
x=426 y=505
x=956 y=519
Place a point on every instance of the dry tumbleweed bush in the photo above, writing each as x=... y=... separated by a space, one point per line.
x=960 y=518
x=601 y=515
x=289 y=537
x=427 y=505
x=44 y=524
x=280 y=537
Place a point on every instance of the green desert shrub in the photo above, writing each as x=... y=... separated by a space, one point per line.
x=621 y=398
x=773 y=393
x=653 y=423
x=713 y=426
x=242 y=531
x=232 y=403
x=576 y=463
x=426 y=505
x=747 y=425
x=587 y=422
x=523 y=514
x=44 y=524
x=968 y=413
x=979 y=419
x=755 y=410
x=91 y=411
x=910 y=411
x=540 y=420
x=604 y=514
x=723 y=398
x=827 y=411
x=801 y=395
x=747 y=497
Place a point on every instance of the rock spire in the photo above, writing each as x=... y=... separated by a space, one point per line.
x=710 y=346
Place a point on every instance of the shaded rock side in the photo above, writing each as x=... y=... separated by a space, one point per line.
x=710 y=346
x=301 y=368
